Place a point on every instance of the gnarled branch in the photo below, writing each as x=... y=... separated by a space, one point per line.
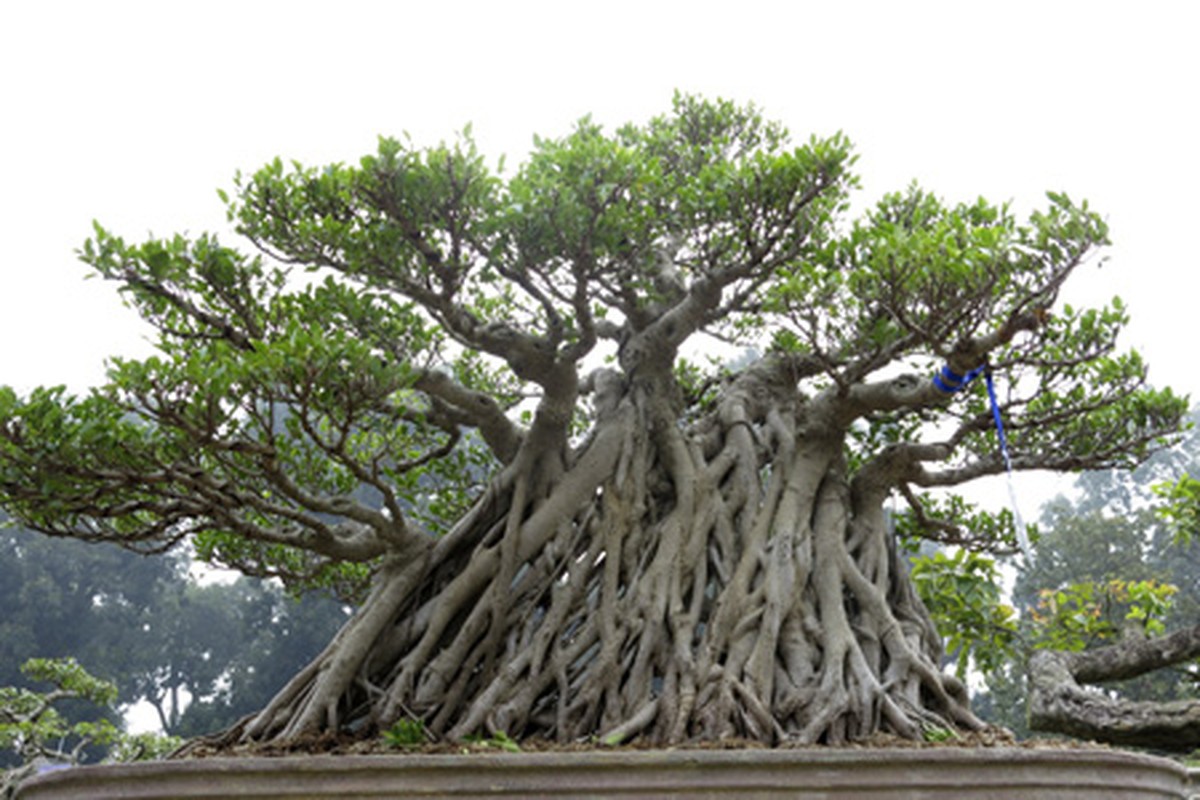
x=1058 y=704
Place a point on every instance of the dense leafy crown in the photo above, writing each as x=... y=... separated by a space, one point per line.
x=409 y=321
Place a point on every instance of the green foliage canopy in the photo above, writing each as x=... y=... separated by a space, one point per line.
x=399 y=309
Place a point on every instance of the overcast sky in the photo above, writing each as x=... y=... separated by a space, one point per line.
x=135 y=113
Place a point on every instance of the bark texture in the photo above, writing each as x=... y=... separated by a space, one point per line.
x=664 y=581
x=1059 y=704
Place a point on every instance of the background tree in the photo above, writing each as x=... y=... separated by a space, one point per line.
x=71 y=599
x=68 y=599
x=34 y=728
x=270 y=636
x=658 y=550
x=201 y=655
x=213 y=653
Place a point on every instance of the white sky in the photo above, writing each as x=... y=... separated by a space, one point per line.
x=135 y=113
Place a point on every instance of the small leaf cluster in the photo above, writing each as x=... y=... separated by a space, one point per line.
x=917 y=274
x=1180 y=507
x=31 y=726
x=406 y=734
x=962 y=592
x=1084 y=614
x=497 y=741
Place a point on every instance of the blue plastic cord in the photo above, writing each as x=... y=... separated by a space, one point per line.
x=991 y=389
x=1018 y=522
x=950 y=382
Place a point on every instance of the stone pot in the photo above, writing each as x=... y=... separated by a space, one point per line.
x=927 y=773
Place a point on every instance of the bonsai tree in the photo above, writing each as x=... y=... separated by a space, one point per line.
x=33 y=728
x=501 y=413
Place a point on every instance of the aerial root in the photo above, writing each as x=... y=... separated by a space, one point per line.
x=684 y=602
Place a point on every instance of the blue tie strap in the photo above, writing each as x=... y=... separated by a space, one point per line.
x=948 y=381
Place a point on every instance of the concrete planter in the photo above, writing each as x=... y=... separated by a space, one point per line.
x=932 y=773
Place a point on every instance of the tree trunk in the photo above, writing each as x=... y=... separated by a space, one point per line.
x=662 y=580
x=1058 y=704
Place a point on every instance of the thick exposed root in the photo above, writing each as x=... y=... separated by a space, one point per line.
x=668 y=585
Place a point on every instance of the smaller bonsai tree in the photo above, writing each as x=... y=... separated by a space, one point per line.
x=1059 y=700
x=32 y=726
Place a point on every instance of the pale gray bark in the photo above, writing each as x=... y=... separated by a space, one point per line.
x=658 y=582
x=1059 y=704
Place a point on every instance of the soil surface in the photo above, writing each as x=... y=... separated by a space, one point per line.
x=348 y=744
